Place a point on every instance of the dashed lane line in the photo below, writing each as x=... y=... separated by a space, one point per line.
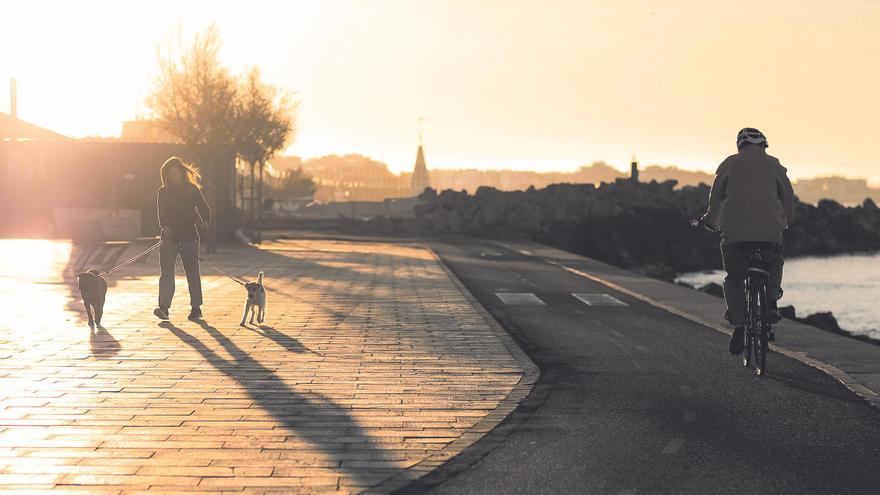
x=599 y=300
x=673 y=446
x=520 y=299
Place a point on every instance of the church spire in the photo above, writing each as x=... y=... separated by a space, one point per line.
x=420 y=179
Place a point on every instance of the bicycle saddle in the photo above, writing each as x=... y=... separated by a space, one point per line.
x=757 y=271
x=757 y=265
x=754 y=246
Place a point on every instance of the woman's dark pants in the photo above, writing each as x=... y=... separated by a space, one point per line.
x=168 y=252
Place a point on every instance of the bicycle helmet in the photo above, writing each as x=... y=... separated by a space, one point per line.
x=750 y=135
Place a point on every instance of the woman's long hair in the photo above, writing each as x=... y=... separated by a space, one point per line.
x=188 y=172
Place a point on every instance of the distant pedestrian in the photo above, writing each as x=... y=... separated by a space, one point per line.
x=751 y=201
x=181 y=206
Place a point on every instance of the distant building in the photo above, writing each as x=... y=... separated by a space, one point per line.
x=145 y=131
x=350 y=178
x=49 y=182
x=44 y=181
x=634 y=170
x=420 y=179
x=15 y=129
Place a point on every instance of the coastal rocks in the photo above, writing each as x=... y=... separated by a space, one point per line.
x=658 y=271
x=713 y=289
x=831 y=228
x=825 y=321
x=641 y=226
x=787 y=312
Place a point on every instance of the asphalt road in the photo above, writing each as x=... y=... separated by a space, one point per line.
x=634 y=400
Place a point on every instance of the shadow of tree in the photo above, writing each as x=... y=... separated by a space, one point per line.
x=342 y=435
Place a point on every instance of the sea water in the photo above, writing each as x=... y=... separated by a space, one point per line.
x=846 y=285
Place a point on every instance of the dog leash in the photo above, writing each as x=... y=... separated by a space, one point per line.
x=237 y=280
x=132 y=260
x=152 y=248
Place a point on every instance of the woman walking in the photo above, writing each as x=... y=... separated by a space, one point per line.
x=180 y=206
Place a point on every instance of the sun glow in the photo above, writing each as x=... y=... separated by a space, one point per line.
x=501 y=84
x=32 y=280
x=36 y=259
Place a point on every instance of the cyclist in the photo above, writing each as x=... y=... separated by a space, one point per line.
x=751 y=200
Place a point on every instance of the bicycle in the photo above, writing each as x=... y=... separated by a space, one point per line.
x=758 y=325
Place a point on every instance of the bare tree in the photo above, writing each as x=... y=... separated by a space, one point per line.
x=194 y=98
x=267 y=116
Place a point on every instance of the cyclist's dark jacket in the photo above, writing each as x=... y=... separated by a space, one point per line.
x=751 y=198
x=180 y=207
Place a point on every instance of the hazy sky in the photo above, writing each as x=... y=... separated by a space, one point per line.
x=545 y=85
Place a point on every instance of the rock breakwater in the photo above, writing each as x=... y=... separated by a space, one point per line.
x=637 y=226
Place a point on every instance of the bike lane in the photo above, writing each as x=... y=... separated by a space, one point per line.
x=634 y=399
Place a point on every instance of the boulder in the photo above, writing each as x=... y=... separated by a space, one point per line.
x=788 y=312
x=713 y=289
x=659 y=271
x=825 y=320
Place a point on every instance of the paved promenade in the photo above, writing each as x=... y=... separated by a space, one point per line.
x=372 y=368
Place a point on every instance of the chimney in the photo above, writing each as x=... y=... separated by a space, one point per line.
x=13 y=99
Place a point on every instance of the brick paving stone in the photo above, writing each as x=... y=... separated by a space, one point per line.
x=371 y=365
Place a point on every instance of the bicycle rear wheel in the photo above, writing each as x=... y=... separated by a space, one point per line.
x=749 y=330
x=760 y=344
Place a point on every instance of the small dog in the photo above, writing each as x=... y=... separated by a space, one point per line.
x=256 y=300
x=93 y=290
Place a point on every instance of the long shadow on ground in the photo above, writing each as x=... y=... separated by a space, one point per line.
x=291 y=408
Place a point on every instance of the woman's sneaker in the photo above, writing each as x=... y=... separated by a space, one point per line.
x=195 y=314
x=737 y=341
x=161 y=313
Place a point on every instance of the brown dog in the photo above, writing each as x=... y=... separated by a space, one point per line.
x=93 y=289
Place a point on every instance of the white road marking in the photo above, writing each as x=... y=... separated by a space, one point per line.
x=673 y=446
x=689 y=417
x=520 y=298
x=599 y=300
x=617 y=334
